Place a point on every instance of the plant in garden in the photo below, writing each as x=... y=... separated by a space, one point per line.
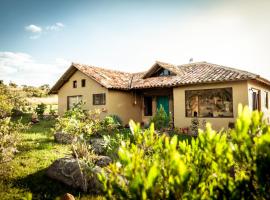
x=161 y=119
x=52 y=111
x=215 y=165
x=78 y=122
x=11 y=102
x=9 y=138
x=117 y=120
x=40 y=109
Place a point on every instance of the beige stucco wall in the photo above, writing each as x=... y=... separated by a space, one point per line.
x=122 y=103
x=92 y=87
x=240 y=95
x=261 y=87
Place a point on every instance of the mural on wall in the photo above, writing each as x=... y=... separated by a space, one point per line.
x=209 y=103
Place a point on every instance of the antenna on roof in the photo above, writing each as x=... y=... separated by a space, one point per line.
x=190 y=60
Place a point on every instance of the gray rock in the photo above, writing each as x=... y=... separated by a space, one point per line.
x=68 y=171
x=64 y=138
x=98 y=146
x=103 y=161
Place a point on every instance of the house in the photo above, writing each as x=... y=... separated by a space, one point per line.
x=200 y=89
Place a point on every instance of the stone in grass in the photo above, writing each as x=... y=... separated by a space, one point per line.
x=98 y=146
x=64 y=138
x=69 y=172
x=103 y=161
x=68 y=196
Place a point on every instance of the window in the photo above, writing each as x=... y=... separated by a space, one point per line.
x=73 y=100
x=99 y=99
x=83 y=82
x=162 y=72
x=148 y=106
x=209 y=103
x=265 y=99
x=74 y=84
x=255 y=99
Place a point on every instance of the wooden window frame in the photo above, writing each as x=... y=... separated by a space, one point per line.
x=102 y=102
x=72 y=96
x=266 y=100
x=257 y=92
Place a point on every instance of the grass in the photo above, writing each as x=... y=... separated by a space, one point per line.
x=26 y=172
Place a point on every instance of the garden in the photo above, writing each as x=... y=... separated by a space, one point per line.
x=45 y=157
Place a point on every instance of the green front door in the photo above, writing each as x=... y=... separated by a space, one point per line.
x=164 y=102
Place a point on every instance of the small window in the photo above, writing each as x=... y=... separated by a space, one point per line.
x=165 y=72
x=255 y=99
x=83 y=82
x=73 y=100
x=265 y=99
x=99 y=99
x=148 y=106
x=74 y=84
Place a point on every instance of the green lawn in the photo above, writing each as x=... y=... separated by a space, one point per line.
x=26 y=172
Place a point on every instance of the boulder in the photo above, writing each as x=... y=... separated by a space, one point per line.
x=103 y=161
x=64 y=138
x=74 y=174
x=68 y=196
x=98 y=146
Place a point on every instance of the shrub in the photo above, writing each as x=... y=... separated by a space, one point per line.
x=11 y=102
x=40 y=109
x=161 y=119
x=78 y=122
x=117 y=120
x=9 y=138
x=215 y=165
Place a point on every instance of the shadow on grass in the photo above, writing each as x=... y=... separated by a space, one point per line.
x=42 y=187
x=40 y=144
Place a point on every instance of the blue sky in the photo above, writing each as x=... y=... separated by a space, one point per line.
x=39 y=39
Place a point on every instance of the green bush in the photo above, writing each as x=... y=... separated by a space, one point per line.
x=40 y=109
x=215 y=165
x=161 y=119
x=117 y=120
x=78 y=122
x=9 y=138
x=11 y=102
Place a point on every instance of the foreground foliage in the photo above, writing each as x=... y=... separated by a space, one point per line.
x=230 y=165
x=26 y=172
x=9 y=138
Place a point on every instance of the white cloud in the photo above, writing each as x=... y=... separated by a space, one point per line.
x=21 y=68
x=37 y=31
x=55 y=27
x=33 y=28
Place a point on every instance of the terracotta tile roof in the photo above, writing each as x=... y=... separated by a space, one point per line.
x=187 y=74
x=193 y=73
x=106 y=77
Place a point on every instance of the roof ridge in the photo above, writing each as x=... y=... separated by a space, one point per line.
x=102 y=68
x=222 y=66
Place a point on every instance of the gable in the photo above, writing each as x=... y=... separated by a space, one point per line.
x=158 y=70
